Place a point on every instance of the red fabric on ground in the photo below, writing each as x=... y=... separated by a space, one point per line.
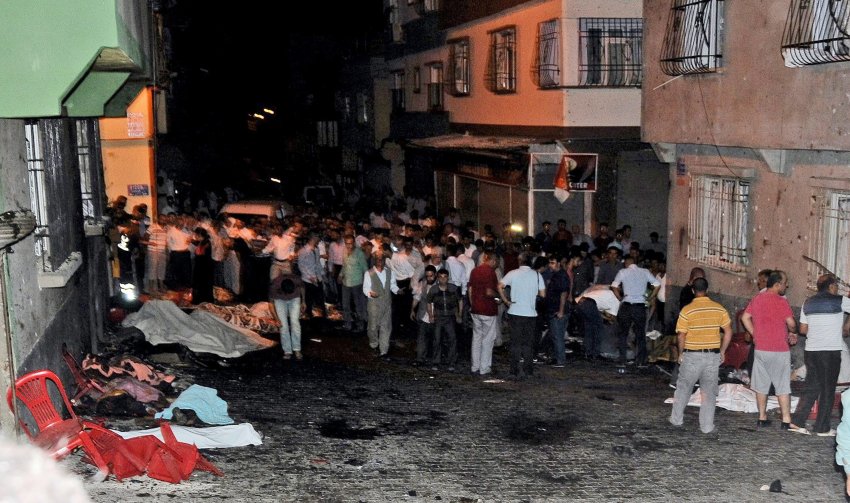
x=170 y=461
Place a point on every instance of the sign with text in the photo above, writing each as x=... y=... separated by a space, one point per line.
x=138 y=189
x=582 y=171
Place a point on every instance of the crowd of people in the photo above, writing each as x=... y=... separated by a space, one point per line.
x=400 y=270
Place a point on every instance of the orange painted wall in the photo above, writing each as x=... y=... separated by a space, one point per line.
x=128 y=155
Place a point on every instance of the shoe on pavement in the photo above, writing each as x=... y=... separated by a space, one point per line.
x=298 y=355
x=558 y=365
x=830 y=433
x=798 y=429
x=761 y=423
x=287 y=356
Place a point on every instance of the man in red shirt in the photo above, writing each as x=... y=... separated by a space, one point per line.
x=482 y=290
x=770 y=321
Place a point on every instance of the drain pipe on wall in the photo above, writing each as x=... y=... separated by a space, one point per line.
x=7 y=337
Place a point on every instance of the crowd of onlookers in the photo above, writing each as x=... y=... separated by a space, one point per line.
x=318 y=263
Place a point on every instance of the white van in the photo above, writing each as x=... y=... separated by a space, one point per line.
x=246 y=210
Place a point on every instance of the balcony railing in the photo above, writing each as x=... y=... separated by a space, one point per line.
x=816 y=32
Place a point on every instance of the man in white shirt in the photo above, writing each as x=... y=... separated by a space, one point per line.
x=179 y=268
x=632 y=281
x=821 y=321
x=336 y=257
x=405 y=264
x=594 y=306
x=526 y=285
x=457 y=270
x=282 y=248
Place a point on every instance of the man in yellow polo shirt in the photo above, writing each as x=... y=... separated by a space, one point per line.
x=701 y=351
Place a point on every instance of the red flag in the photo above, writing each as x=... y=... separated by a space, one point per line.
x=562 y=183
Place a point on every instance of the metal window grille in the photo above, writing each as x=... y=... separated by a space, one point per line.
x=396 y=31
x=611 y=52
x=435 y=87
x=425 y=6
x=398 y=91
x=327 y=132
x=831 y=237
x=459 y=69
x=38 y=192
x=816 y=32
x=694 y=39
x=86 y=166
x=363 y=111
x=547 y=67
x=718 y=222
x=501 y=74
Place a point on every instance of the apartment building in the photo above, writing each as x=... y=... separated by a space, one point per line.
x=747 y=103
x=487 y=99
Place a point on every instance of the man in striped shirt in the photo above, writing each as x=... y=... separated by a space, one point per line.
x=701 y=351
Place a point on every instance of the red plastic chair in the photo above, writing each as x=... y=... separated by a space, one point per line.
x=58 y=433
x=84 y=383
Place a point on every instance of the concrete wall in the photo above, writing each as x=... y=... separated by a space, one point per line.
x=42 y=319
x=782 y=217
x=642 y=185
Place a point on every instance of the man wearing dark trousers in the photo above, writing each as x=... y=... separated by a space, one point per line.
x=632 y=281
x=445 y=305
x=526 y=285
x=821 y=320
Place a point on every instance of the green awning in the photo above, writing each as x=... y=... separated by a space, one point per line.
x=64 y=58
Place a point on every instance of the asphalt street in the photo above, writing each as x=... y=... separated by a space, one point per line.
x=343 y=426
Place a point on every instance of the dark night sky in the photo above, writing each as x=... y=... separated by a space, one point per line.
x=230 y=61
x=244 y=49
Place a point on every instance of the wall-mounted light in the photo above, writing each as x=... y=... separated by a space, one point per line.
x=268 y=111
x=258 y=116
x=516 y=227
x=275 y=180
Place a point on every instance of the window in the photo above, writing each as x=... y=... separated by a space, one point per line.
x=51 y=177
x=327 y=134
x=435 y=87
x=394 y=21
x=398 y=91
x=501 y=72
x=459 y=58
x=718 y=222
x=611 y=52
x=87 y=159
x=831 y=237
x=426 y=6
x=816 y=32
x=38 y=192
x=417 y=81
x=363 y=111
x=694 y=38
x=547 y=67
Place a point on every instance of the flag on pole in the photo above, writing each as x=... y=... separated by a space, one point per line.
x=562 y=178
